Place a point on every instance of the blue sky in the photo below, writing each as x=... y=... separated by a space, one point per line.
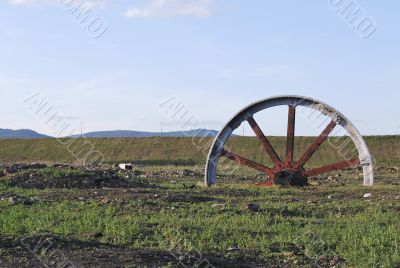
x=216 y=56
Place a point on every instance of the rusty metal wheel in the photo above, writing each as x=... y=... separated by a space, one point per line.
x=288 y=171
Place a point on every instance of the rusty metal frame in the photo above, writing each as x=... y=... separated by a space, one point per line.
x=247 y=114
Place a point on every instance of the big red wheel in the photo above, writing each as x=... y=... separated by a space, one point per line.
x=288 y=170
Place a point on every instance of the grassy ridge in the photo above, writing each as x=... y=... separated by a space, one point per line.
x=188 y=151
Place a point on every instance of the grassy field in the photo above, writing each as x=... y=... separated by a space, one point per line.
x=171 y=221
x=160 y=215
x=188 y=151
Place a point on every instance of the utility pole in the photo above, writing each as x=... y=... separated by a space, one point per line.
x=161 y=133
x=81 y=129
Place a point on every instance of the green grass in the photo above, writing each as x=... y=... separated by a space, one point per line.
x=365 y=234
x=186 y=151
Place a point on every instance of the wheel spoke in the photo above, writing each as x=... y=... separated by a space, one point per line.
x=290 y=134
x=264 y=141
x=246 y=162
x=317 y=143
x=333 y=167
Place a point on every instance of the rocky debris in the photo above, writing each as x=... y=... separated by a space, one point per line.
x=95 y=254
x=136 y=173
x=104 y=200
x=15 y=168
x=218 y=205
x=368 y=195
x=174 y=174
x=186 y=173
x=329 y=261
x=333 y=179
x=124 y=166
x=14 y=199
x=63 y=166
x=189 y=187
x=188 y=198
x=97 y=235
x=84 y=180
x=253 y=207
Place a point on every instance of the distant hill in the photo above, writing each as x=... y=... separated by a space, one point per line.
x=20 y=134
x=30 y=134
x=142 y=134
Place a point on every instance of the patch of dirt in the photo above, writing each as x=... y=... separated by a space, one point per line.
x=94 y=180
x=186 y=173
x=50 y=251
x=15 y=168
x=116 y=195
x=15 y=199
x=231 y=192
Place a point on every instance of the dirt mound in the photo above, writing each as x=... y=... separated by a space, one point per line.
x=15 y=199
x=15 y=168
x=91 y=180
x=50 y=251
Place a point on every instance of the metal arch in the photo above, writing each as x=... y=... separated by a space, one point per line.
x=219 y=142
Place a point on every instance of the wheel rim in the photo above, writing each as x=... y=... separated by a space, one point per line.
x=288 y=170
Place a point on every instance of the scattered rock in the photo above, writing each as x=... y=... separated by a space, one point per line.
x=253 y=207
x=137 y=173
x=79 y=180
x=98 y=235
x=368 y=195
x=12 y=200
x=319 y=222
x=329 y=261
x=37 y=166
x=63 y=166
x=190 y=187
x=105 y=200
x=20 y=167
x=218 y=205
x=124 y=166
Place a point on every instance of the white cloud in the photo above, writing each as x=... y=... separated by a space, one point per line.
x=169 y=8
